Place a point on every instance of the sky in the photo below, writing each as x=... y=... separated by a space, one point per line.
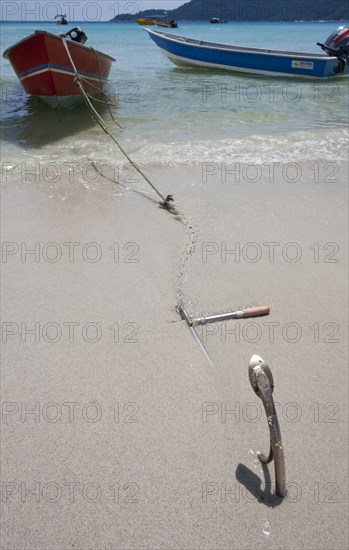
x=78 y=10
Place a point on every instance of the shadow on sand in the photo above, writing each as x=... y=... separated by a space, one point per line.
x=253 y=485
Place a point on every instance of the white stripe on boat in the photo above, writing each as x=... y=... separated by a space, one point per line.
x=50 y=69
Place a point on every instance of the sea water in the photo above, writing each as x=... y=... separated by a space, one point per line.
x=175 y=116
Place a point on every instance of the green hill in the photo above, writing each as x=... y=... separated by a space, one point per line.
x=254 y=10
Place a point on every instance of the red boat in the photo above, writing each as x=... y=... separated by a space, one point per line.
x=47 y=65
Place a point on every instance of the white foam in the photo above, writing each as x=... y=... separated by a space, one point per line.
x=293 y=147
x=330 y=146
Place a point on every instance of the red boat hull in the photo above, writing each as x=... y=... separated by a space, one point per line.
x=44 y=69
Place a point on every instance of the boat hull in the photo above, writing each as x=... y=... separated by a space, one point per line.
x=166 y=24
x=190 y=52
x=44 y=69
x=145 y=21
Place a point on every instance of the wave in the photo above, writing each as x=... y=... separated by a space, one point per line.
x=327 y=146
x=293 y=147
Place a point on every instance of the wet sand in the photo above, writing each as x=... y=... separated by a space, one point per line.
x=136 y=440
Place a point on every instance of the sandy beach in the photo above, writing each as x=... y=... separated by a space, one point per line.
x=117 y=431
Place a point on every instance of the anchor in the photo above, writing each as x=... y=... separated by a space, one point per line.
x=239 y=314
x=262 y=383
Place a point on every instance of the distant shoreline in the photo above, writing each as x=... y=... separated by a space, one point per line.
x=126 y=21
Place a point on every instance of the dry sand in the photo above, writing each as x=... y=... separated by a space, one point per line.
x=132 y=445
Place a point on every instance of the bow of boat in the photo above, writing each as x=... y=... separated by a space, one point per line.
x=47 y=65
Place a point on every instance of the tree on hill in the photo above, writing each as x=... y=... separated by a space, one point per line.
x=252 y=10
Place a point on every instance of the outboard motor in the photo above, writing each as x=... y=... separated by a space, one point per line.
x=77 y=35
x=337 y=45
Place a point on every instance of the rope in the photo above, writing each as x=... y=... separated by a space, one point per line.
x=165 y=202
x=100 y=78
x=137 y=191
x=187 y=254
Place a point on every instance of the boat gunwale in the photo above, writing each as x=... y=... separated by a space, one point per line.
x=194 y=42
x=90 y=48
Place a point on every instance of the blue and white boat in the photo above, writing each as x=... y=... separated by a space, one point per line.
x=185 y=51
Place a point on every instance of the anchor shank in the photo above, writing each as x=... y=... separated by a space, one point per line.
x=276 y=449
x=243 y=313
x=262 y=383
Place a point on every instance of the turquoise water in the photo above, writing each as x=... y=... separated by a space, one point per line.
x=175 y=115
